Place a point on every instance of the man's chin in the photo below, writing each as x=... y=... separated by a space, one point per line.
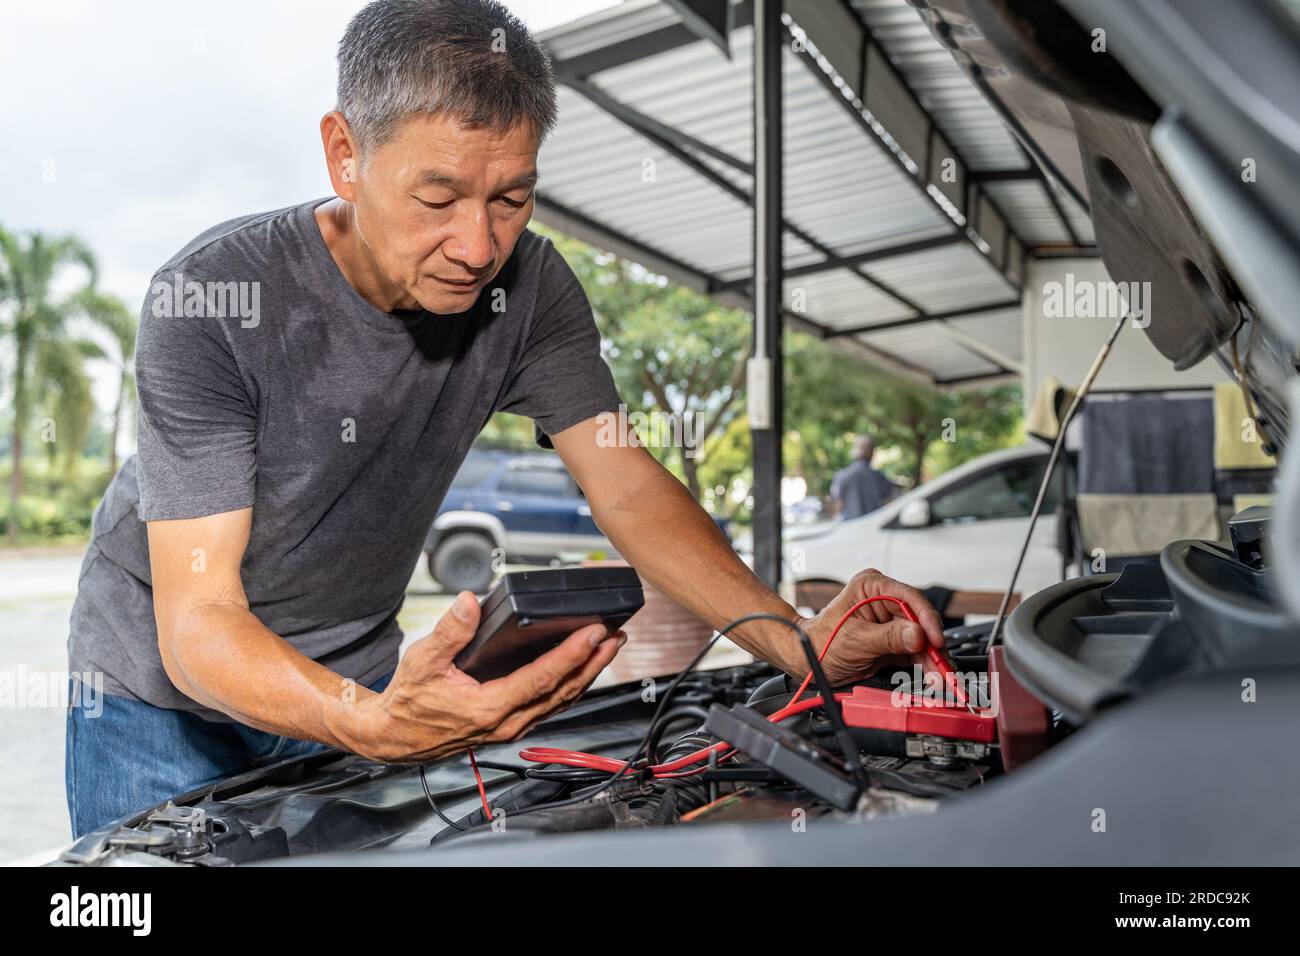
x=448 y=303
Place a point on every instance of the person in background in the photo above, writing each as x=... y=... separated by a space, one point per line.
x=859 y=489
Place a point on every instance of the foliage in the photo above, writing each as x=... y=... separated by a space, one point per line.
x=674 y=350
x=47 y=350
x=58 y=502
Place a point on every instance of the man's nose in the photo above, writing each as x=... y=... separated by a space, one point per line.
x=471 y=240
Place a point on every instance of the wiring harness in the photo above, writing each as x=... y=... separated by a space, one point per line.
x=581 y=767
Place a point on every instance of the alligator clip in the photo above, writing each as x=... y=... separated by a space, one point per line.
x=950 y=681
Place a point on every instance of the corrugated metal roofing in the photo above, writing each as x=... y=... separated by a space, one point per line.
x=1024 y=203
x=846 y=194
x=959 y=109
x=999 y=330
x=930 y=348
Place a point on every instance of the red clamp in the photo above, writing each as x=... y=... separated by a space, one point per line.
x=950 y=681
x=890 y=710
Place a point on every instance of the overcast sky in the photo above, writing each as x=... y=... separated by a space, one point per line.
x=137 y=124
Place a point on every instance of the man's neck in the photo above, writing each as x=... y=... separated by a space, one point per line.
x=336 y=220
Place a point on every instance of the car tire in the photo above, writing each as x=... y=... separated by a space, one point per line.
x=462 y=562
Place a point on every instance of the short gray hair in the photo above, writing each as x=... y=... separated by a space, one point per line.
x=469 y=59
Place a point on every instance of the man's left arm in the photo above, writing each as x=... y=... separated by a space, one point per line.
x=657 y=526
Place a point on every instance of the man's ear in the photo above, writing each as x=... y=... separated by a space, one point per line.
x=341 y=154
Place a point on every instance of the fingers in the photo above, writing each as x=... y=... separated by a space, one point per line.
x=876 y=584
x=870 y=644
x=564 y=694
x=540 y=678
x=431 y=656
x=456 y=627
x=901 y=636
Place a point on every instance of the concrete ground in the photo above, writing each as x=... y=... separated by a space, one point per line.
x=37 y=588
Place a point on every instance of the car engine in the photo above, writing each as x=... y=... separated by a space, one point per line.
x=894 y=745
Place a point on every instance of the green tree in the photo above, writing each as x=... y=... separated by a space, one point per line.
x=831 y=397
x=672 y=351
x=112 y=314
x=47 y=356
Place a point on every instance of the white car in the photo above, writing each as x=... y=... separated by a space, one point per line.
x=962 y=530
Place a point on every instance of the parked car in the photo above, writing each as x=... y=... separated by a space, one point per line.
x=523 y=507
x=960 y=530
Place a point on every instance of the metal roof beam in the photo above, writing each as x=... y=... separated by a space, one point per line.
x=1003 y=175
x=1057 y=251
x=744 y=195
x=861 y=258
x=822 y=14
x=574 y=223
x=961 y=313
x=976 y=347
x=980 y=378
x=648 y=126
x=640 y=47
x=1057 y=208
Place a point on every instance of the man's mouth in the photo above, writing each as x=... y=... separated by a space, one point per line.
x=463 y=285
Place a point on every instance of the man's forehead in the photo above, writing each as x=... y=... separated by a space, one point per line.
x=440 y=150
x=435 y=176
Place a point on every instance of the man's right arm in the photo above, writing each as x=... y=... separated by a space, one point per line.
x=218 y=653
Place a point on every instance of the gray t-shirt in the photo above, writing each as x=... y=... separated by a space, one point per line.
x=340 y=425
x=860 y=489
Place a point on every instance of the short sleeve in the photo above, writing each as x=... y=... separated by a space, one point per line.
x=197 y=423
x=559 y=378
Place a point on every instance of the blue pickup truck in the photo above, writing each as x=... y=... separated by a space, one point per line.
x=516 y=507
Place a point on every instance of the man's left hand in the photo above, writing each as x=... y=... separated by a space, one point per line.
x=876 y=635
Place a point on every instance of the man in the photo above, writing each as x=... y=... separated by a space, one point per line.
x=858 y=489
x=241 y=590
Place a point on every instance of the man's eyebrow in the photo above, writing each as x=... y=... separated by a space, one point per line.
x=432 y=177
x=528 y=179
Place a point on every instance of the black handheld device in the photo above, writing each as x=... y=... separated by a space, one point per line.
x=529 y=612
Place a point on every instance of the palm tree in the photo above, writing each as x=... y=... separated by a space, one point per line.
x=110 y=313
x=47 y=357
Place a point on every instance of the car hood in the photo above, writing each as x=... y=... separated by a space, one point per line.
x=1149 y=136
x=1165 y=135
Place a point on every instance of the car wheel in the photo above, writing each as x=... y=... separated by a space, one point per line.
x=463 y=562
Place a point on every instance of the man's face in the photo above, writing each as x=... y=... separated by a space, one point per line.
x=441 y=205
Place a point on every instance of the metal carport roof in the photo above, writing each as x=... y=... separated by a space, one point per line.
x=909 y=208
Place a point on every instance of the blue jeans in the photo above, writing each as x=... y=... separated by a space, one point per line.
x=133 y=755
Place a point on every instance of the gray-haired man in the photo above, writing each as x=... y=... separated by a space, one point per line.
x=242 y=587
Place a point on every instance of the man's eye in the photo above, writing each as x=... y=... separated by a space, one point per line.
x=432 y=205
x=514 y=203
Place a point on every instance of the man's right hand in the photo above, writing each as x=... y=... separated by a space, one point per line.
x=431 y=708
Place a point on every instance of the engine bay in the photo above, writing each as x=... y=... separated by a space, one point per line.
x=1103 y=684
x=904 y=746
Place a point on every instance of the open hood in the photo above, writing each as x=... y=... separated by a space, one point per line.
x=1177 y=125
